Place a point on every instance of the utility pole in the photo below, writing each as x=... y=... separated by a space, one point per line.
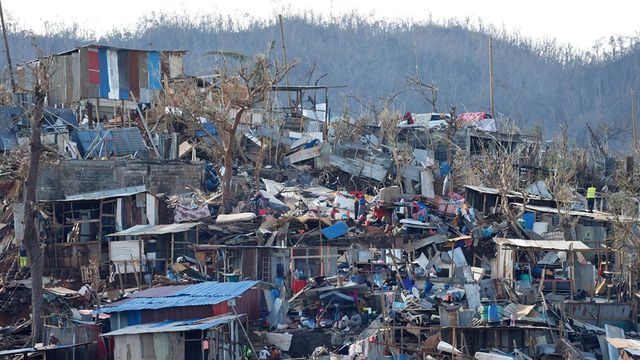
x=491 y=76
x=284 y=54
x=6 y=47
x=634 y=121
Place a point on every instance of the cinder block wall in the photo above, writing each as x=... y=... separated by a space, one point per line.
x=81 y=176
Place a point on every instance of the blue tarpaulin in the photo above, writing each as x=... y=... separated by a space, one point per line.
x=529 y=218
x=154 y=71
x=104 y=72
x=336 y=230
x=209 y=129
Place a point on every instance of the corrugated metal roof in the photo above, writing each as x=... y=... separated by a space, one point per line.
x=206 y=293
x=634 y=352
x=122 y=141
x=159 y=291
x=543 y=244
x=156 y=229
x=105 y=194
x=74 y=50
x=212 y=288
x=136 y=304
x=595 y=215
x=13 y=118
x=624 y=343
x=174 y=326
x=483 y=190
x=60 y=117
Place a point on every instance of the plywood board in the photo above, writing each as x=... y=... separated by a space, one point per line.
x=126 y=255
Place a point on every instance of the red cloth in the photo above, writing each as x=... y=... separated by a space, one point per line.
x=298 y=285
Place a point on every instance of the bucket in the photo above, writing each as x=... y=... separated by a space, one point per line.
x=484 y=313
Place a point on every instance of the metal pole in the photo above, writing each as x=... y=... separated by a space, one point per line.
x=284 y=55
x=6 y=47
x=491 y=75
x=242 y=327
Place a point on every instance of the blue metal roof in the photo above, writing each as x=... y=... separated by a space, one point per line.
x=212 y=288
x=59 y=117
x=9 y=116
x=174 y=326
x=206 y=293
x=124 y=141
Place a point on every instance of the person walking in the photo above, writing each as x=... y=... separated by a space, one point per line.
x=591 y=197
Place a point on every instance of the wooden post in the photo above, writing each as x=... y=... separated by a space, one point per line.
x=146 y=127
x=135 y=272
x=634 y=121
x=321 y=249
x=173 y=238
x=97 y=110
x=122 y=113
x=120 y=280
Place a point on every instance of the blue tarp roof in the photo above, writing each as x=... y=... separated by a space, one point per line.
x=121 y=142
x=206 y=293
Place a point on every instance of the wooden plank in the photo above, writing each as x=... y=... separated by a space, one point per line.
x=302 y=155
x=184 y=149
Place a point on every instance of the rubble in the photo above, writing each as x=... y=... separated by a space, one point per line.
x=334 y=246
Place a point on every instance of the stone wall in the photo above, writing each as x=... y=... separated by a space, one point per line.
x=71 y=177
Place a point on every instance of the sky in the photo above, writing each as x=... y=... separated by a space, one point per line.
x=575 y=22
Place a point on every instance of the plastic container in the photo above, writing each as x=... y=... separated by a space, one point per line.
x=494 y=313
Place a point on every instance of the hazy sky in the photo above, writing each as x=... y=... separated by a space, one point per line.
x=579 y=22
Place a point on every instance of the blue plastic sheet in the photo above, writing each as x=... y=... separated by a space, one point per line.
x=336 y=230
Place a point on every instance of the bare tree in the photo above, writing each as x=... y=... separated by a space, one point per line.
x=389 y=122
x=237 y=89
x=41 y=75
x=429 y=92
x=563 y=166
x=495 y=165
x=624 y=209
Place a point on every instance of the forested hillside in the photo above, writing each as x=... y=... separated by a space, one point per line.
x=537 y=83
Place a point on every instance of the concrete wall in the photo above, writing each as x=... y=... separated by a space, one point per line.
x=71 y=177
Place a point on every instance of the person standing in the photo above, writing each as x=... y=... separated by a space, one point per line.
x=591 y=197
x=23 y=260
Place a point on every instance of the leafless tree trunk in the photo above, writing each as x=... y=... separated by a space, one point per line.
x=236 y=91
x=228 y=162
x=31 y=240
